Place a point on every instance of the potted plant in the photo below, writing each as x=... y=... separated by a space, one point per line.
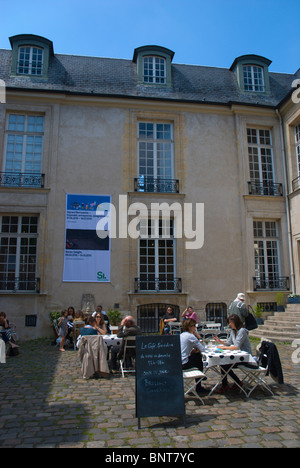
x=54 y=316
x=115 y=318
x=280 y=302
x=258 y=310
x=294 y=298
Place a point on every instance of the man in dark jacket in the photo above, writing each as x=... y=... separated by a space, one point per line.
x=127 y=328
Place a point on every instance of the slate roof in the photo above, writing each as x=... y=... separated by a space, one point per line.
x=118 y=77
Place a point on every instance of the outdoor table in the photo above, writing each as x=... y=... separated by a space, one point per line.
x=112 y=340
x=2 y=352
x=216 y=357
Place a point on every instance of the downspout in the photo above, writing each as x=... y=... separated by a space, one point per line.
x=287 y=204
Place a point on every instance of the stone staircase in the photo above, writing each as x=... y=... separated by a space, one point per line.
x=281 y=326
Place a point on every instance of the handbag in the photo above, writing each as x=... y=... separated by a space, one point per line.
x=250 y=322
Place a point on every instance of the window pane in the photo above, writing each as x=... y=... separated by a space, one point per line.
x=16 y=122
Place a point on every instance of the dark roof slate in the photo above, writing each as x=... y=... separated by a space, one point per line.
x=118 y=77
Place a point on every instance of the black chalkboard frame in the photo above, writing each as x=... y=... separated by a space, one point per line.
x=159 y=379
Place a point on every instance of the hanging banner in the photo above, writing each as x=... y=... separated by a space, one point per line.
x=87 y=251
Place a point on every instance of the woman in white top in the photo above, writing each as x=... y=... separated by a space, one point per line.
x=191 y=349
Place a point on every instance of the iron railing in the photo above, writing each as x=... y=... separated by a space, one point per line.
x=278 y=282
x=265 y=188
x=296 y=183
x=21 y=179
x=149 y=184
x=22 y=284
x=160 y=284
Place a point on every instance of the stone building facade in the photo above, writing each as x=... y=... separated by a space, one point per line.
x=148 y=132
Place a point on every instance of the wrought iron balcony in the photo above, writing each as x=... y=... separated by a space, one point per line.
x=278 y=283
x=296 y=183
x=149 y=184
x=21 y=179
x=161 y=284
x=265 y=188
x=21 y=285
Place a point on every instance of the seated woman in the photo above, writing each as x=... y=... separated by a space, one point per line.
x=90 y=328
x=79 y=316
x=100 y=324
x=191 y=349
x=238 y=340
x=5 y=330
x=189 y=313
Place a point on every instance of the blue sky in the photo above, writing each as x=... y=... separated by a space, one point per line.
x=200 y=32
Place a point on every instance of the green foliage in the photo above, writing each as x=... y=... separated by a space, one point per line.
x=279 y=298
x=114 y=316
x=54 y=315
x=258 y=310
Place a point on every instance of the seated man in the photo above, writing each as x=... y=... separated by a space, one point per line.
x=169 y=317
x=89 y=329
x=127 y=328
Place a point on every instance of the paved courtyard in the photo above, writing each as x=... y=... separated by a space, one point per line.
x=45 y=402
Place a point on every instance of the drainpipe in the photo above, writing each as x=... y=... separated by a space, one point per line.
x=287 y=204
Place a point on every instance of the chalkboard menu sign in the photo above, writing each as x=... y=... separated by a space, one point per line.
x=159 y=381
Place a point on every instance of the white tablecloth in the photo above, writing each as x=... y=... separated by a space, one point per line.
x=215 y=357
x=2 y=352
x=112 y=340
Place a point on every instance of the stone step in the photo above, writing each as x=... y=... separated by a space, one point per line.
x=293 y=307
x=285 y=316
x=279 y=335
x=281 y=326
x=289 y=320
x=276 y=326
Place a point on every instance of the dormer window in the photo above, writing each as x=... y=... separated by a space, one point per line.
x=153 y=65
x=253 y=78
x=30 y=61
x=252 y=73
x=30 y=55
x=154 y=70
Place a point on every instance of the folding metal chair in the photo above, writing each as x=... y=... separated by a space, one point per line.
x=254 y=378
x=129 y=346
x=209 y=332
x=190 y=375
x=175 y=328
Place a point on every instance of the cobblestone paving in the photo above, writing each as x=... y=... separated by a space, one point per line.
x=45 y=402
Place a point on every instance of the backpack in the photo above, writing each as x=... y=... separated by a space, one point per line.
x=250 y=322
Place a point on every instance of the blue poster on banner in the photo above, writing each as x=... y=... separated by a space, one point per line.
x=87 y=254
